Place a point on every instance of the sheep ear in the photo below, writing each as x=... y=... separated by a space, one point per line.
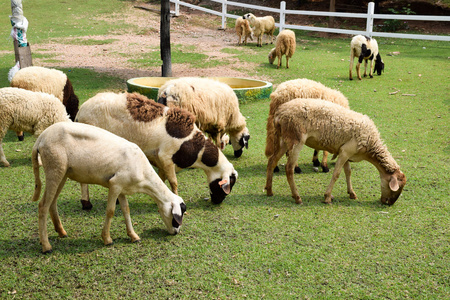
x=393 y=184
x=177 y=213
x=225 y=186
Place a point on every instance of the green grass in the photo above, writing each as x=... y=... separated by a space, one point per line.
x=253 y=246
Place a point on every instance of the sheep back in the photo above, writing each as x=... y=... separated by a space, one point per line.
x=23 y=110
x=332 y=126
x=50 y=81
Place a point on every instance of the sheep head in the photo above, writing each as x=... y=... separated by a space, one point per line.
x=272 y=56
x=392 y=186
x=379 y=65
x=221 y=187
x=239 y=141
x=172 y=214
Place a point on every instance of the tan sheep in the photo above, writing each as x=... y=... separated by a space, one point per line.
x=23 y=110
x=214 y=104
x=243 y=30
x=91 y=155
x=365 y=48
x=261 y=26
x=349 y=135
x=284 y=45
x=300 y=88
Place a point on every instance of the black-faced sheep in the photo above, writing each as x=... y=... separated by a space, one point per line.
x=91 y=155
x=349 y=135
x=365 y=48
x=300 y=88
x=243 y=30
x=168 y=136
x=284 y=45
x=261 y=26
x=22 y=110
x=214 y=104
x=50 y=81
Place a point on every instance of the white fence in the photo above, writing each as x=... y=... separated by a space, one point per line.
x=370 y=16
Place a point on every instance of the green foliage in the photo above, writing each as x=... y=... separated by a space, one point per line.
x=395 y=25
x=253 y=246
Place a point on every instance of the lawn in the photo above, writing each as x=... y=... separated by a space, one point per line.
x=251 y=246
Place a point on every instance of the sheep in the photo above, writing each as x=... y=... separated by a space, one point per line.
x=364 y=48
x=71 y=150
x=50 y=81
x=349 y=135
x=284 y=45
x=214 y=104
x=300 y=88
x=261 y=26
x=243 y=30
x=168 y=136
x=22 y=110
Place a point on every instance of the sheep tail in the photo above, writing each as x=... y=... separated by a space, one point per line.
x=270 y=136
x=37 y=179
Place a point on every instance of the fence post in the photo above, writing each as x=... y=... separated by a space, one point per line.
x=177 y=7
x=224 y=12
x=369 y=24
x=282 y=14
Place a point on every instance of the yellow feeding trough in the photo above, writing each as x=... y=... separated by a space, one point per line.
x=247 y=90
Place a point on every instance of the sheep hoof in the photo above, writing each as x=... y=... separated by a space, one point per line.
x=297 y=170
x=298 y=200
x=350 y=78
x=21 y=137
x=371 y=76
x=325 y=169
x=276 y=170
x=47 y=251
x=86 y=204
x=137 y=241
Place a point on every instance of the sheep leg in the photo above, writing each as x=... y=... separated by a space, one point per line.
x=358 y=72
x=371 y=68
x=271 y=164
x=48 y=200
x=352 y=58
x=324 y=163
x=54 y=212
x=85 y=202
x=279 y=61
x=287 y=62
x=171 y=176
x=290 y=165
x=348 y=172
x=2 y=156
x=126 y=214
x=110 y=209
x=342 y=158
x=365 y=68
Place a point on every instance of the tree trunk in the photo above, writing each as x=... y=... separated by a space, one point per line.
x=165 y=39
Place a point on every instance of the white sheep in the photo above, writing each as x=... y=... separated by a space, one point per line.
x=284 y=45
x=349 y=135
x=22 y=110
x=50 y=81
x=214 y=104
x=168 y=136
x=243 y=30
x=72 y=150
x=261 y=26
x=365 y=48
x=300 y=88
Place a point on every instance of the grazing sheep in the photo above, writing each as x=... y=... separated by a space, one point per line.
x=214 y=104
x=300 y=88
x=365 y=48
x=261 y=26
x=284 y=45
x=349 y=135
x=50 y=81
x=22 y=110
x=91 y=155
x=168 y=136
x=243 y=30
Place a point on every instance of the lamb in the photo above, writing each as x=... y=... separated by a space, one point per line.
x=300 y=88
x=71 y=150
x=168 y=136
x=243 y=30
x=215 y=106
x=284 y=45
x=22 y=110
x=50 y=81
x=365 y=48
x=349 y=135
x=261 y=26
